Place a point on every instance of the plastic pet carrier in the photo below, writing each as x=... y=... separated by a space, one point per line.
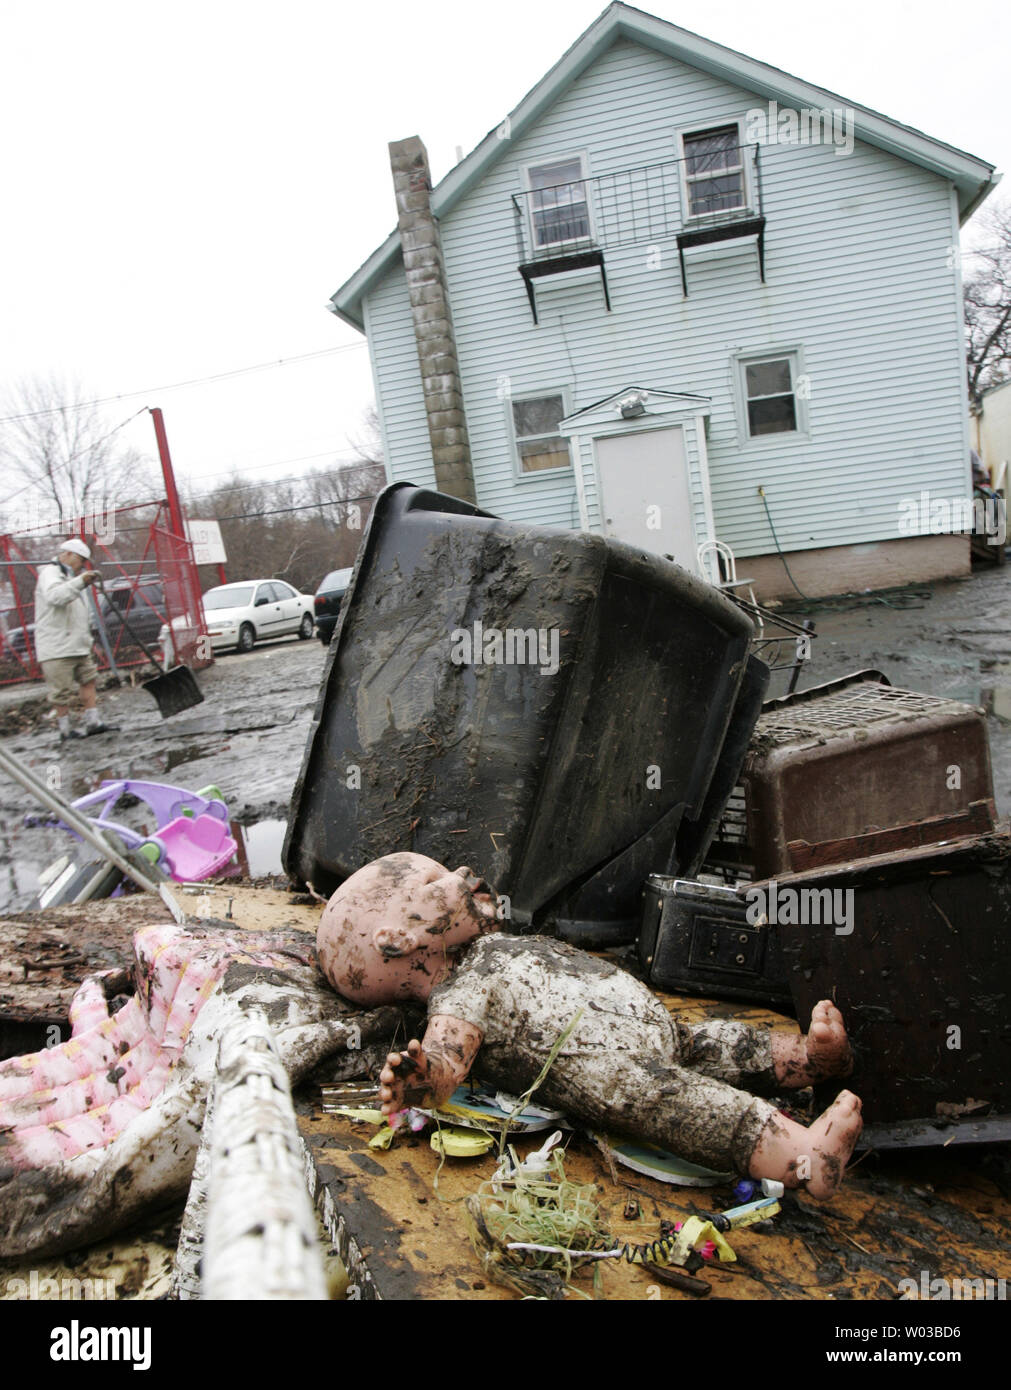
x=830 y=769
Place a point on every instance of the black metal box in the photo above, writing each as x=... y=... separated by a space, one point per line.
x=697 y=939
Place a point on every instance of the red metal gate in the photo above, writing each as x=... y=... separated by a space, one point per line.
x=149 y=578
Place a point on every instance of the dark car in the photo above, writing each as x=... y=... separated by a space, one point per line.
x=144 y=609
x=143 y=606
x=328 y=600
x=15 y=641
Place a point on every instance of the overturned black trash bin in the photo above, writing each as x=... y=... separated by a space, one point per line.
x=544 y=705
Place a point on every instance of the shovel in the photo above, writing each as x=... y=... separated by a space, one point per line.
x=174 y=689
x=104 y=636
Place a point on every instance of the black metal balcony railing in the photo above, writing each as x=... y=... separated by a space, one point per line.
x=632 y=206
x=704 y=197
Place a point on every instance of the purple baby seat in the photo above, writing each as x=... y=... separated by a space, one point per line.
x=192 y=837
x=195 y=849
x=165 y=801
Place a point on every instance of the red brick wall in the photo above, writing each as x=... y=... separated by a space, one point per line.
x=852 y=568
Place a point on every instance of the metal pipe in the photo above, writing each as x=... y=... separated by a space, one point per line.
x=171 y=491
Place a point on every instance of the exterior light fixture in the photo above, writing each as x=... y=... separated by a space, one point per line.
x=633 y=404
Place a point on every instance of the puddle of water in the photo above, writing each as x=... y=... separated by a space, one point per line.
x=260 y=845
x=26 y=852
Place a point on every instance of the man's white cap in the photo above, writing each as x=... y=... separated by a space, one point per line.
x=75 y=547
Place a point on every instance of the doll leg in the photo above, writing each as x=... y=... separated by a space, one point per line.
x=698 y=1117
x=729 y=1051
x=760 y=1059
x=709 y=1122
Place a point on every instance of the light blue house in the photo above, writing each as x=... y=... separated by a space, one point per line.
x=678 y=295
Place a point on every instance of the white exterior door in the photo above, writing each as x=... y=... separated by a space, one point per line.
x=644 y=495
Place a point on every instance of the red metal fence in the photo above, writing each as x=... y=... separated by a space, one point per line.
x=149 y=577
x=190 y=642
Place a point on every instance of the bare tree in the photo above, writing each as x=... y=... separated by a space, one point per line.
x=59 y=454
x=296 y=529
x=368 y=442
x=987 y=289
x=344 y=494
x=345 y=491
x=239 y=506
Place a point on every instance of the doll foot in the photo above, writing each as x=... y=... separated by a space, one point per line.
x=824 y=1051
x=826 y=1044
x=813 y=1158
x=831 y=1140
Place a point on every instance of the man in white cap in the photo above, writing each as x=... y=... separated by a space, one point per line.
x=63 y=638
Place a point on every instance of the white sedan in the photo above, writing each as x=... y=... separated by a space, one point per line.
x=237 y=615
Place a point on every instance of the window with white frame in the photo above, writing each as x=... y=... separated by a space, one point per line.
x=535 y=422
x=714 y=171
x=770 y=394
x=559 y=203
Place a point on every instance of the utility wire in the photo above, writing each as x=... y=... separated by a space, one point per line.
x=43 y=482
x=855 y=600
x=179 y=385
x=780 y=548
x=305 y=507
x=272 y=482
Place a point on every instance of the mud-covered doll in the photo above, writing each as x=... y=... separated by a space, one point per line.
x=405 y=928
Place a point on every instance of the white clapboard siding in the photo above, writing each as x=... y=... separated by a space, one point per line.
x=860 y=279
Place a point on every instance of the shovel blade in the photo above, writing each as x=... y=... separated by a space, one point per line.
x=174 y=690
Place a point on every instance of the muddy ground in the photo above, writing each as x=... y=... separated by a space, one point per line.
x=248 y=736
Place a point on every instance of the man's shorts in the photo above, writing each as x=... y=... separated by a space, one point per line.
x=64 y=674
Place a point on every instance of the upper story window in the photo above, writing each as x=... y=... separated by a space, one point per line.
x=770 y=394
x=714 y=171
x=559 y=205
x=539 y=446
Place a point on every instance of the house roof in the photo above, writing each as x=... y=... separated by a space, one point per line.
x=973 y=178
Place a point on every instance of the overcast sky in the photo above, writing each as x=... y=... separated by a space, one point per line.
x=186 y=184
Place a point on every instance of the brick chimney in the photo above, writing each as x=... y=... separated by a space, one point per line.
x=433 y=323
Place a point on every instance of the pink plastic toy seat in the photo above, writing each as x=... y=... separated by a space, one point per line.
x=195 y=849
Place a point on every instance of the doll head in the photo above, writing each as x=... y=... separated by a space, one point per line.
x=393 y=930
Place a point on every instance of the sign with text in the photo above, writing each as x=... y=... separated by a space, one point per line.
x=205 y=538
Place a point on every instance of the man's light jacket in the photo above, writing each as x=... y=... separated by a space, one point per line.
x=62 y=625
